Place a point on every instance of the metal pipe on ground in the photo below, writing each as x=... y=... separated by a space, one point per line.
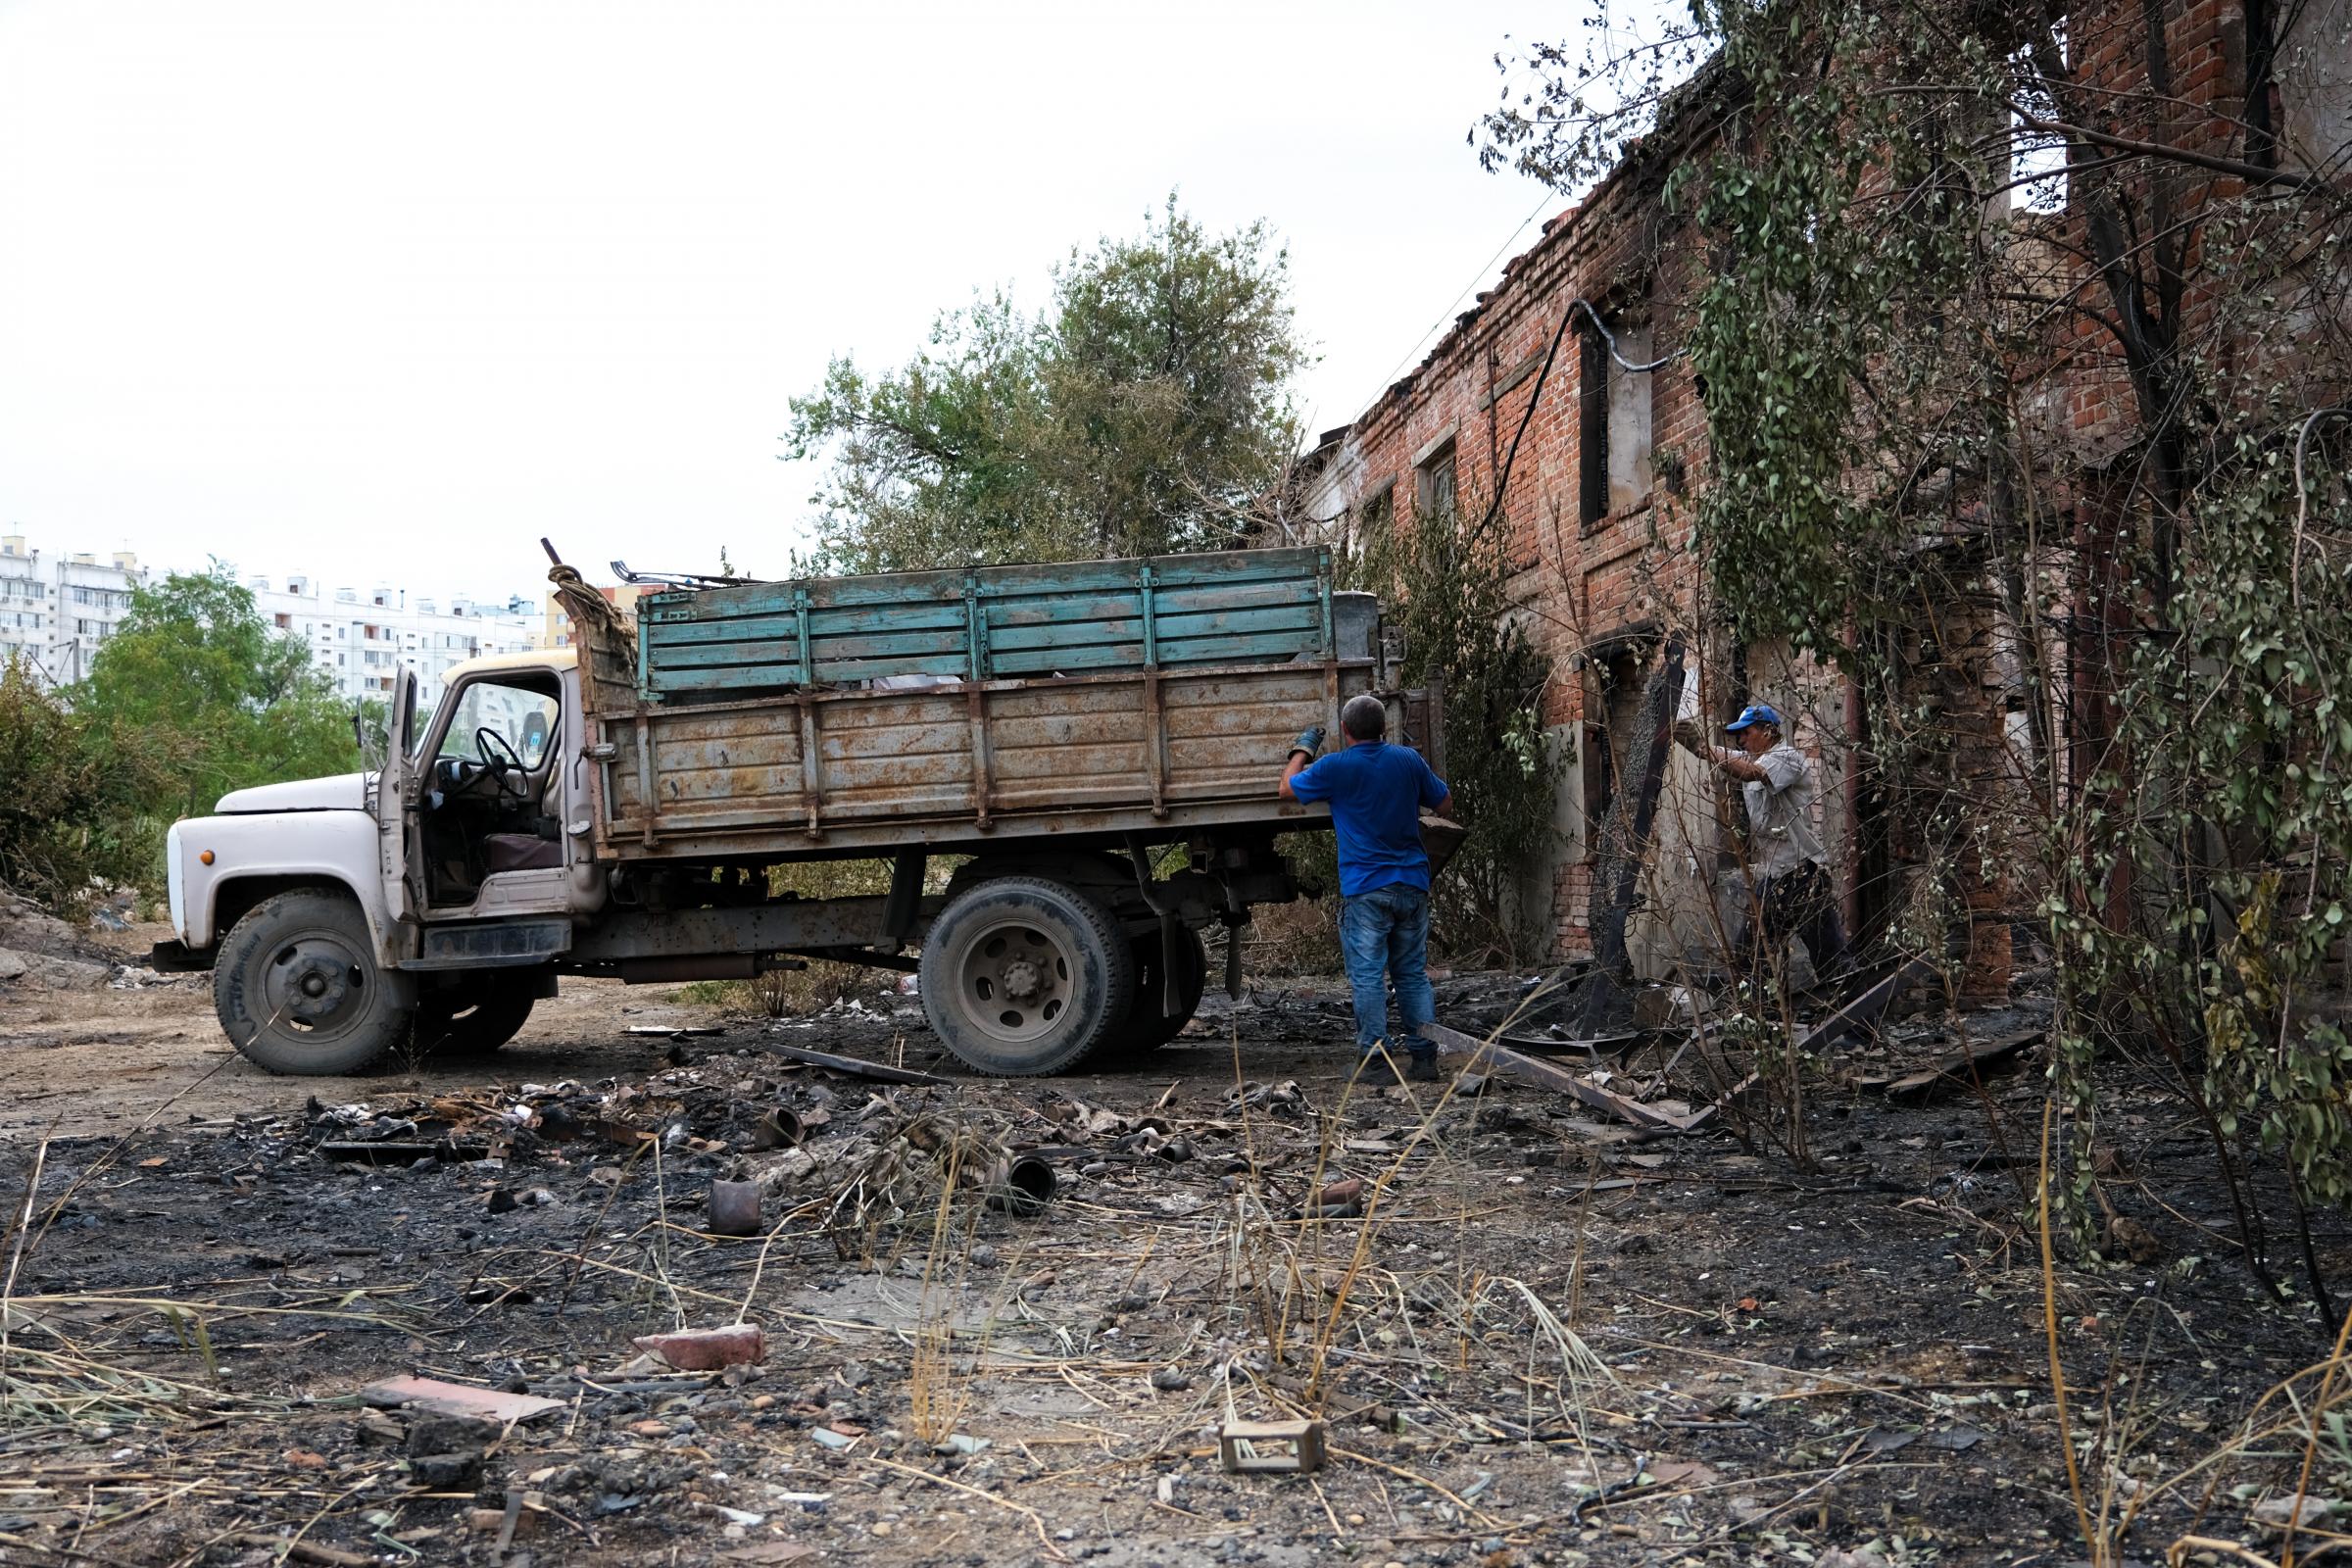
x=1022 y=1184
x=780 y=1128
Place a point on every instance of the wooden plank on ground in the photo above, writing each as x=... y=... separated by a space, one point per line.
x=1863 y=1011
x=1518 y=1067
x=876 y=1070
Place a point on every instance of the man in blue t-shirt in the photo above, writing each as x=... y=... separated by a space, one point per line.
x=1377 y=792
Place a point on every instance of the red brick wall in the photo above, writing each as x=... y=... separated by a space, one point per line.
x=1619 y=249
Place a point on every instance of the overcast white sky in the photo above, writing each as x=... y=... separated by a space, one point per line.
x=385 y=292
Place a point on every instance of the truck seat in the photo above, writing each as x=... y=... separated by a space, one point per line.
x=521 y=852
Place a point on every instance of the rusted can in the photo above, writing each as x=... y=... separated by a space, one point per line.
x=734 y=1208
x=780 y=1128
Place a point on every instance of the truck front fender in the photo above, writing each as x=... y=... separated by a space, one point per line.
x=220 y=866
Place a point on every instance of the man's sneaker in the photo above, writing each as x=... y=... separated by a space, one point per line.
x=1376 y=1068
x=1423 y=1069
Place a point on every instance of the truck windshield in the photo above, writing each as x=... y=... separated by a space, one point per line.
x=523 y=718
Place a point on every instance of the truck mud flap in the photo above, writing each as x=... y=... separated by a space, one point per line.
x=173 y=958
x=500 y=944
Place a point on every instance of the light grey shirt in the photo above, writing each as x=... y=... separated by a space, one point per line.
x=1779 y=813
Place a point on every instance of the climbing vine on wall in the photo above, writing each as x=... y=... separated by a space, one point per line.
x=1444 y=587
x=2224 y=919
x=1799 y=339
x=1926 y=229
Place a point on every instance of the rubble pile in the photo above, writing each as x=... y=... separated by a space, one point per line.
x=765 y=1302
x=39 y=951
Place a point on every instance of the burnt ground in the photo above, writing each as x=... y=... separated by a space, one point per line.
x=1548 y=1342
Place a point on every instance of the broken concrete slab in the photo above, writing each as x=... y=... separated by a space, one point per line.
x=52 y=973
x=456 y=1399
x=1259 y=1447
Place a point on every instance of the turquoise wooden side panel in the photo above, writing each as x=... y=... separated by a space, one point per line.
x=990 y=622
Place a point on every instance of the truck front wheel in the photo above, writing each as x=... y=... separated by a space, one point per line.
x=298 y=990
x=1023 y=976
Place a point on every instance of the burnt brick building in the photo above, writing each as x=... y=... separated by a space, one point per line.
x=1595 y=505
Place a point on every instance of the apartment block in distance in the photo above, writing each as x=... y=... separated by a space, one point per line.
x=361 y=639
x=55 y=610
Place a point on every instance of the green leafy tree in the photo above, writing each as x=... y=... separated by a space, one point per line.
x=218 y=695
x=73 y=794
x=1146 y=410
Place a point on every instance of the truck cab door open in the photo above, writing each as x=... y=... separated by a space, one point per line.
x=393 y=802
x=491 y=799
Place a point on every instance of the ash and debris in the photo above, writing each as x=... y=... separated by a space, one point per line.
x=1536 y=1333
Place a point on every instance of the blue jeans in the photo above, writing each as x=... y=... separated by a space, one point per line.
x=1384 y=935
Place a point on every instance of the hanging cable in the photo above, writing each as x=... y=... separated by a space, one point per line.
x=1503 y=481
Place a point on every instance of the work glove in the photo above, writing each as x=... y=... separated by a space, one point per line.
x=1692 y=738
x=1309 y=741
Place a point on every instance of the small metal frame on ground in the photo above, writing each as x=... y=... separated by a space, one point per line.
x=1254 y=1447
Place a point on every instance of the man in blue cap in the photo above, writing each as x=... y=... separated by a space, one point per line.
x=1377 y=793
x=1787 y=869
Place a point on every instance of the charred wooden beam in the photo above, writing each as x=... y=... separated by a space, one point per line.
x=1625 y=835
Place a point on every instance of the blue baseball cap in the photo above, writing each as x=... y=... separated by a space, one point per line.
x=1753 y=713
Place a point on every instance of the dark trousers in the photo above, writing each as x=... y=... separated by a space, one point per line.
x=1797 y=902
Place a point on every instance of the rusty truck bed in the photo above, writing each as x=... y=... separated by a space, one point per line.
x=1155 y=697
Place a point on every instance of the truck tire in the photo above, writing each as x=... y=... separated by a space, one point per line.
x=1147 y=1028
x=474 y=1019
x=1022 y=977
x=298 y=990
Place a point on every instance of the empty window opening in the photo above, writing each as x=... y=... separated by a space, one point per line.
x=1614 y=422
x=1433 y=483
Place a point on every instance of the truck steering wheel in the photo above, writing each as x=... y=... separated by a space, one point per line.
x=488 y=742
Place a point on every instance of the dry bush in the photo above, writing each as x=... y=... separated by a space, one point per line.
x=794 y=993
x=1284 y=939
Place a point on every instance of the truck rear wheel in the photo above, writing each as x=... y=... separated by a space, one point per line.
x=1148 y=1027
x=1023 y=976
x=475 y=1019
x=298 y=990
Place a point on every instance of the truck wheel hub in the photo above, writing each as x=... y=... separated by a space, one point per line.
x=1012 y=981
x=311 y=984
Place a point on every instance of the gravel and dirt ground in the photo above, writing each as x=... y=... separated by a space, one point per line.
x=1534 y=1337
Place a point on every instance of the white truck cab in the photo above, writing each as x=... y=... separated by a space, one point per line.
x=337 y=913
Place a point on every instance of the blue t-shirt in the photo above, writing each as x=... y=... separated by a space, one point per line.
x=1376 y=792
